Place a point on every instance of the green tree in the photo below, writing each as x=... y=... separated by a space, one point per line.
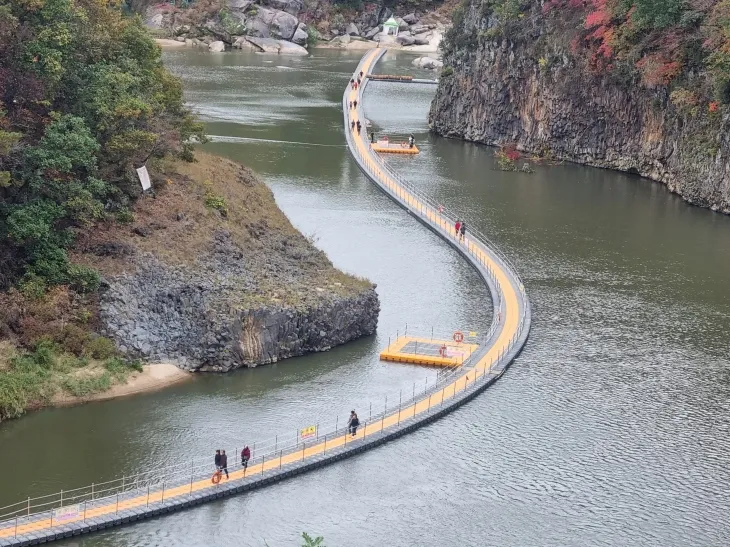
x=84 y=99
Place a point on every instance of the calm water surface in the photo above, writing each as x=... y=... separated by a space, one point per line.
x=612 y=428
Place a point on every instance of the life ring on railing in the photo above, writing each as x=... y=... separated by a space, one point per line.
x=216 y=478
x=442 y=351
x=458 y=337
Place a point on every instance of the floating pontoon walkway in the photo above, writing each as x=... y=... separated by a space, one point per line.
x=184 y=484
x=426 y=351
x=400 y=78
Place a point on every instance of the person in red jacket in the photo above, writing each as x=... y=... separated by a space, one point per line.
x=457 y=227
x=245 y=456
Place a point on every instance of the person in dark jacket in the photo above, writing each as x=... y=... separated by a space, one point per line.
x=245 y=456
x=353 y=423
x=217 y=459
x=462 y=230
x=224 y=462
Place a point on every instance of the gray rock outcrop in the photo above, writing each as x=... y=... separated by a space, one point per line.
x=427 y=63
x=300 y=37
x=528 y=89
x=192 y=316
x=283 y=25
x=215 y=47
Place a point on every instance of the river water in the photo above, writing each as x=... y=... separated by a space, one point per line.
x=611 y=428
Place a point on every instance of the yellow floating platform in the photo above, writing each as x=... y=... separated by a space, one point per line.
x=426 y=351
x=395 y=149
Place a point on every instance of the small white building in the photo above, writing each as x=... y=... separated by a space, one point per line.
x=390 y=27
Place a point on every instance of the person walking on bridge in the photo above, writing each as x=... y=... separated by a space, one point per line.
x=217 y=459
x=359 y=126
x=352 y=124
x=245 y=456
x=224 y=463
x=457 y=227
x=462 y=230
x=354 y=104
x=353 y=423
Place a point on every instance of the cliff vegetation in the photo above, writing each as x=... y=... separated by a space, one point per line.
x=204 y=271
x=637 y=85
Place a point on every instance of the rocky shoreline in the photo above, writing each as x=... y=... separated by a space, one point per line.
x=527 y=91
x=287 y=27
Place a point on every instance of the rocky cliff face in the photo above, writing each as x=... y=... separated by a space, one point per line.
x=211 y=276
x=195 y=317
x=524 y=88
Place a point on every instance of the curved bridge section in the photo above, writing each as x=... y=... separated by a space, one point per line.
x=511 y=308
x=186 y=484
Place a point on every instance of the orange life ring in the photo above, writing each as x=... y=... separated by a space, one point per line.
x=458 y=337
x=216 y=478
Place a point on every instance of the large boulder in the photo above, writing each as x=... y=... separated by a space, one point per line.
x=217 y=46
x=258 y=28
x=351 y=30
x=372 y=33
x=289 y=48
x=405 y=40
x=422 y=39
x=402 y=25
x=292 y=7
x=270 y=45
x=420 y=29
x=341 y=41
x=300 y=37
x=411 y=19
x=283 y=25
x=427 y=63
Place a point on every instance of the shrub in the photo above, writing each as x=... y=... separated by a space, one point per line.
x=83 y=279
x=100 y=348
x=125 y=216
x=312 y=36
x=213 y=200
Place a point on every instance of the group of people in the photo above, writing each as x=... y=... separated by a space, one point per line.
x=221 y=459
x=356 y=83
x=353 y=105
x=356 y=125
x=460 y=228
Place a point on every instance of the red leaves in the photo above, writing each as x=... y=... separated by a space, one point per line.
x=714 y=106
x=657 y=70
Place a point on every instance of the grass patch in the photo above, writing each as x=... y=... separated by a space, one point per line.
x=30 y=379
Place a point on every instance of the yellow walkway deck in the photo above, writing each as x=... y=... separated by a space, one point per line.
x=510 y=322
x=427 y=351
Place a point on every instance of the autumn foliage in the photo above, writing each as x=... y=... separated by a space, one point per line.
x=661 y=40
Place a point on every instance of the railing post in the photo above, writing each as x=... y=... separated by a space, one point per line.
x=16 y=526
x=263 y=461
x=276 y=443
x=148 y=494
x=400 y=401
x=29 y=507
x=304 y=443
x=117 y=509
x=280 y=451
x=92 y=491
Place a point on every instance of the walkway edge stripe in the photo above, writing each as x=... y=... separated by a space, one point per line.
x=509 y=302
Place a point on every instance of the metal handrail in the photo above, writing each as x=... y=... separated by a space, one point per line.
x=171 y=475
